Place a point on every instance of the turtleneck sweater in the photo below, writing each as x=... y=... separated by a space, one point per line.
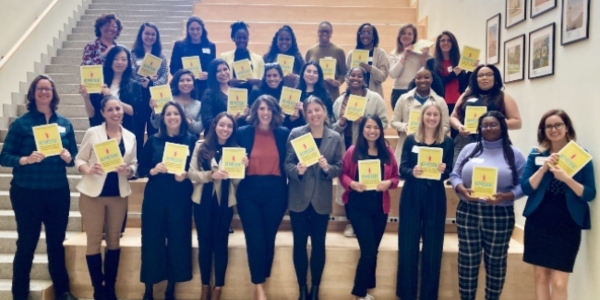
x=491 y=156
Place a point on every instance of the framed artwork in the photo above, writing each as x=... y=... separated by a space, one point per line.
x=575 y=21
x=539 y=7
x=492 y=40
x=514 y=59
x=541 y=51
x=515 y=12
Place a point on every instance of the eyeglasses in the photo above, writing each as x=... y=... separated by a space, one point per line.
x=557 y=126
x=489 y=75
x=490 y=126
x=366 y=33
x=44 y=89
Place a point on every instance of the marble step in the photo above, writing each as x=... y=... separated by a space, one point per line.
x=8 y=242
x=6 y=178
x=39 y=271
x=125 y=39
x=69 y=111
x=139 y=17
x=134 y=24
x=383 y=3
x=133 y=30
x=141 y=6
x=38 y=289
x=150 y=13
x=5 y=203
x=7 y=222
x=163 y=2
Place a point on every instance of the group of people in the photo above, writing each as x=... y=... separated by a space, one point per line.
x=556 y=211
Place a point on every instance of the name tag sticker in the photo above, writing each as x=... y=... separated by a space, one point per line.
x=477 y=160
x=415 y=149
x=540 y=160
x=206 y=50
x=450 y=69
x=61 y=129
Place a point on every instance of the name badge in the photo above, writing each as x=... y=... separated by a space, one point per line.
x=540 y=160
x=477 y=160
x=61 y=129
x=450 y=69
x=370 y=59
x=415 y=149
x=206 y=50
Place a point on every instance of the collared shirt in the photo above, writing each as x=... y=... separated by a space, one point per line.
x=51 y=172
x=92 y=53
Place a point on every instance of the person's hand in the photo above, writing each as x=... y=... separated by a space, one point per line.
x=35 y=157
x=383 y=186
x=123 y=169
x=457 y=70
x=441 y=167
x=83 y=91
x=323 y=164
x=234 y=82
x=560 y=174
x=295 y=116
x=424 y=51
x=291 y=77
x=301 y=168
x=154 y=78
x=553 y=159
x=299 y=107
x=189 y=121
x=96 y=169
x=357 y=121
x=477 y=63
x=343 y=121
x=202 y=76
x=333 y=82
x=145 y=82
x=501 y=198
x=254 y=81
x=461 y=189
x=407 y=51
x=152 y=103
x=159 y=168
x=65 y=155
x=105 y=90
x=219 y=175
x=246 y=111
x=366 y=67
x=181 y=177
x=462 y=131
x=417 y=171
x=357 y=186
x=245 y=161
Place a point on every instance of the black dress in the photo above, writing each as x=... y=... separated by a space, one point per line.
x=552 y=237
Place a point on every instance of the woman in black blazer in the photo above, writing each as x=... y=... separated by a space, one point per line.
x=265 y=142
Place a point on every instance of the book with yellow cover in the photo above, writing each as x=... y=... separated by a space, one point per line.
x=472 y=115
x=306 y=149
x=237 y=100
x=175 y=157
x=108 y=155
x=92 y=78
x=420 y=44
x=355 y=108
x=161 y=95
x=468 y=58
x=358 y=57
x=572 y=158
x=286 y=62
x=243 y=70
x=192 y=63
x=484 y=182
x=150 y=65
x=369 y=173
x=47 y=139
x=328 y=65
x=288 y=100
x=231 y=162
x=413 y=121
x=429 y=159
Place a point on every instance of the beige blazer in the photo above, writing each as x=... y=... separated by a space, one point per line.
x=379 y=69
x=91 y=185
x=258 y=64
x=199 y=177
x=375 y=106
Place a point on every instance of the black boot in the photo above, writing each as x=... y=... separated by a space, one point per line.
x=111 y=268
x=314 y=292
x=170 y=291
x=94 y=263
x=302 y=292
x=149 y=292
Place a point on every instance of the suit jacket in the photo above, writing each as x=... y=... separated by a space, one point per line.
x=578 y=206
x=246 y=140
x=258 y=65
x=91 y=185
x=315 y=186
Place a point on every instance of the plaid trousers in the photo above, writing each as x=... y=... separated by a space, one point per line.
x=486 y=227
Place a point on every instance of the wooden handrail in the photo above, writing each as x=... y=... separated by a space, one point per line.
x=26 y=35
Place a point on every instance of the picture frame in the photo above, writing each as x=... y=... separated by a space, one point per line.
x=542 y=51
x=492 y=40
x=575 y=21
x=514 y=59
x=538 y=7
x=515 y=12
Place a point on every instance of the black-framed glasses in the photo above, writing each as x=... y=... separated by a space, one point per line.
x=44 y=89
x=557 y=126
x=490 y=126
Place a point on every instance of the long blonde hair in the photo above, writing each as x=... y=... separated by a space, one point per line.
x=439 y=134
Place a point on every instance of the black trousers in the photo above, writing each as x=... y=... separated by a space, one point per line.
x=32 y=209
x=212 y=225
x=142 y=122
x=453 y=132
x=396 y=93
x=369 y=222
x=305 y=224
x=261 y=204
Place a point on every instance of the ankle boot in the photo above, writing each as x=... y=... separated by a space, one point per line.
x=303 y=293
x=170 y=291
x=111 y=268
x=205 y=292
x=216 y=294
x=149 y=292
x=314 y=292
x=94 y=263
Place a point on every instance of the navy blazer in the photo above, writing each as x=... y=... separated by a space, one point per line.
x=245 y=136
x=578 y=206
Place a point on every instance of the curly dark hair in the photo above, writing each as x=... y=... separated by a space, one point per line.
x=31 y=94
x=104 y=19
x=239 y=25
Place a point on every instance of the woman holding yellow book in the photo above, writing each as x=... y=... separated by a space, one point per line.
x=214 y=100
x=240 y=35
x=309 y=197
x=423 y=205
x=284 y=47
x=312 y=84
x=107 y=29
x=166 y=209
x=486 y=179
x=557 y=208
x=103 y=200
x=375 y=61
x=271 y=84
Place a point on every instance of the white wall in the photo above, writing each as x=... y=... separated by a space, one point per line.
x=571 y=88
x=18 y=15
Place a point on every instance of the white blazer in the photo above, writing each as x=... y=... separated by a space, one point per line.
x=91 y=185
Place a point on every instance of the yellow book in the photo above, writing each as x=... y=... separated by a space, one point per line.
x=413 y=121
x=161 y=95
x=243 y=70
x=358 y=57
x=92 y=78
x=429 y=159
x=306 y=149
x=484 y=182
x=288 y=100
x=287 y=63
x=420 y=44
x=108 y=155
x=150 y=65
x=468 y=58
x=175 y=157
x=328 y=65
x=472 y=115
x=369 y=173
x=355 y=108
x=47 y=139
x=231 y=162
x=237 y=100
x=573 y=158
x=192 y=63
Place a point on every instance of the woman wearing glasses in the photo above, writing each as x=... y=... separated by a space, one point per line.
x=377 y=65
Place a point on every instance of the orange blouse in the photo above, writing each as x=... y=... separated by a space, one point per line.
x=264 y=158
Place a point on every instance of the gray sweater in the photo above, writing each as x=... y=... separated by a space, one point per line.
x=192 y=112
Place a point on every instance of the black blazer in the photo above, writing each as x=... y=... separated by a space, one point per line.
x=131 y=94
x=245 y=136
x=207 y=53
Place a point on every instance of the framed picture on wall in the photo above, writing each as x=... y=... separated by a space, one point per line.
x=515 y=12
x=492 y=40
x=541 y=51
x=514 y=59
x=575 y=24
x=539 y=7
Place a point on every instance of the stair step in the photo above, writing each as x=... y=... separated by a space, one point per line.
x=6 y=178
x=148 y=13
x=133 y=30
x=139 y=6
x=134 y=24
x=38 y=289
x=140 y=17
x=39 y=270
x=381 y=3
x=68 y=111
x=8 y=242
x=7 y=222
x=5 y=203
x=124 y=39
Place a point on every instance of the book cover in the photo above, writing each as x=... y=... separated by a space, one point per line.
x=484 y=182
x=572 y=158
x=288 y=100
x=369 y=173
x=192 y=63
x=413 y=121
x=420 y=44
x=429 y=159
x=328 y=65
x=174 y=157
x=359 y=56
x=472 y=115
x=237 y=100
x=161 y=95
x=150 y=65
x=306 y=149
x=108 y=155
x=243 y=70
x=47 y=139
x=468 y=58
x=355 y=108
x=286 y=62
x=92 y=78
x=231 y=162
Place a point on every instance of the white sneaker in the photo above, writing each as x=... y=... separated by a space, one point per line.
x=369 y=297
x=349 y=231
